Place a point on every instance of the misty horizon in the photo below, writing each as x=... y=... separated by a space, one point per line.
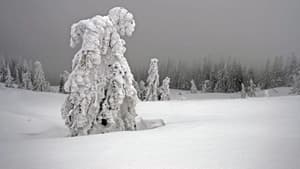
x=251 y=32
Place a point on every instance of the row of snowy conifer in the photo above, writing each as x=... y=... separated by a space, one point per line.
x=23 y=75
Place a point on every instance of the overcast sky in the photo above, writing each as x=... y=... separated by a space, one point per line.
x=250 y=30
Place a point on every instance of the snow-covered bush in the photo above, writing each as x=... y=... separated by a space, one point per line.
x=102 y=97
x=63 y=78
x=2 y=70
x=152 y=81
x=39 y=80
x=243 y=91
x=193 y=87
x=164 y=90
x=251 y=89
x=8 y=78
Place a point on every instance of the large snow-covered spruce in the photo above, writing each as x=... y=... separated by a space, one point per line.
x=101 y=97
x=152 y=81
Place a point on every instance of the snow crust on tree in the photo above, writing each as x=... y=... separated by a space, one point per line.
x=39 y=80
x=102 y=97
x=8 y=78
x=63 y=78
x=251 y=92
x=243 y=91
x=193 y=87
x=152 y=81
x=164 y=90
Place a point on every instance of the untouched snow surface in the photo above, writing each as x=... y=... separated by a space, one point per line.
x=253 y=133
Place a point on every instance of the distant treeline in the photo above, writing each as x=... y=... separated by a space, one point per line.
x=226 y=75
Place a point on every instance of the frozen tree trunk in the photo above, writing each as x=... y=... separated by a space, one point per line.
x=8 y=77
x=164 y=90
x=152 y=81
x=193 y=87
x=39 y=80
x=101 y=97
x=243 y=91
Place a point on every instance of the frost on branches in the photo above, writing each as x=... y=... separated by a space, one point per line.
x=142 y=90
x=193 y=87
x=152 y=81
x=101 y=97
x=164 y=90
x=39 y=80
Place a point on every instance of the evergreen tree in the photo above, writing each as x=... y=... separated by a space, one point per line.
x=101 y=97
x=8 y=78
x=164 y=90
x=63 y=78
x=26 y=77
x=251 y=90
x=193 y=87
x=152 y=81
x=243 y=91
x=39 y=80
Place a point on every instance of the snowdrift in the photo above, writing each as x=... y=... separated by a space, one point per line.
x=251 y=133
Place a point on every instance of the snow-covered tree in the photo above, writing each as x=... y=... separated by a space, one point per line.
x=39 y=80
x=296 y=85
x=164 y=90
x=251 y=89
x=2 y=70
x=8 y=78
x=206 y=86
x=193 y=87
x=63 y=78
x=152 y=81
x=26 y=77
x=243 y=91
x=102 y=97
x=18 y=80
x=142 y=90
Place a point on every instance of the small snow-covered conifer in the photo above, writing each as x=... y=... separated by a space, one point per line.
x=193 y=87
x=243 y=91
x=39 y=80
x=206 y=86
x=251 y=92
x=8 y=78
x=101 y=97
x=152 y=81
x=26 y=77
x=142 y=91
x=164 y=90
x=296 y=85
